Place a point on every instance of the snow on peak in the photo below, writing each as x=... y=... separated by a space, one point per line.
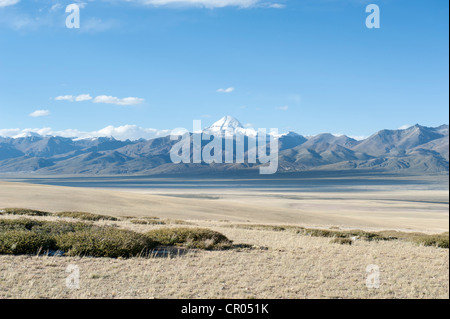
x=226 y=122
x=27 y=134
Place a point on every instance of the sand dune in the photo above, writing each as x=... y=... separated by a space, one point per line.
x=417 y=210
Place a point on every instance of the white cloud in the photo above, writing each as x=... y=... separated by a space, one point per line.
x=39 y=113
x=5 y=3
x=404 y=127
x=283 y=108
x=276 y=6
x=115 y=100
x=228 y=90
x=56 y=6
x=65 y=98
x=71 y=98
x=83 y=97
x=101 y=99
x=124 y=132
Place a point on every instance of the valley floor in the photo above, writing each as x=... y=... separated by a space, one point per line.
x=281 y=264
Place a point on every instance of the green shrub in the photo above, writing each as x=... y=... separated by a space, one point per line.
x=23 y=211
x=58 y=228
x=18 y=242
x=177 y=222
x=18 y=224
x=360 y=234
x=104 y=242
x=85 y=216
x=440 y=241
x=43 y=227
x=342 y=241
x=147 y=222
x=190 y=237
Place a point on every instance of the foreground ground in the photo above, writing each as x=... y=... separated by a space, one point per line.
x=279 y=264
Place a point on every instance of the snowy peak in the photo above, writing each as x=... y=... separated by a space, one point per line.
x=226 y=123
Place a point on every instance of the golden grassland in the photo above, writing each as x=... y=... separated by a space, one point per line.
x=285 y=244
x=266 y=263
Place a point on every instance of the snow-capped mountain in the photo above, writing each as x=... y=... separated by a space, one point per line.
x=229 y=125
x=417 y=148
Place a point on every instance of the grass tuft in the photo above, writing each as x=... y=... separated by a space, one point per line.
x=86 y=216
x=190 y=237
x=23 y=211
x=146 y=222
x=342 y=241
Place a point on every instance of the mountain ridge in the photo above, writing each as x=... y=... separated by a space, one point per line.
x=417 y=148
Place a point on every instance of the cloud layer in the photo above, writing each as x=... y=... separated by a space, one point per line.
x=115 y=100
x=124 y=132
x=5 y=3
x=39 y=113
x=106 y=99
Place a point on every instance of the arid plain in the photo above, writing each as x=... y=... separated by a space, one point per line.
x=278 y=264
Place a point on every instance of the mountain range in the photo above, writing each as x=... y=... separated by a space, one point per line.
x=417 y=148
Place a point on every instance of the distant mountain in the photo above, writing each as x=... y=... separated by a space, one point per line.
x=418 y=149
x=397 y=142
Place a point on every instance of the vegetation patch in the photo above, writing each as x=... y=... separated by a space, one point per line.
x=41 y=227
x=190 y=237
x=23 y=211
x=86 y=216
x=441 y=240
x=342 y=241
x=27 y=236
x=356 y=234
x=177 y=222
x=265 y=227
x=140 y=221
x=105 y=242
x=18 y=242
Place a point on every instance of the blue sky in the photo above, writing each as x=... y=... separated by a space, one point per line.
x=310 y=66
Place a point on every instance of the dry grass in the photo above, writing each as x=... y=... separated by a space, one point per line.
x=23 y=211
x=85 y=216
x=281 y=264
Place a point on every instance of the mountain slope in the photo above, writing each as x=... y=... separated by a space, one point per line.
x=418 y=148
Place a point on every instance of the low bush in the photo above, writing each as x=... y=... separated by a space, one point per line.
x=86 y=216
x=147 y=222
x=17 y=242
x=105 y=242
x=190 y=237
x=342 y=241
x=41 y=227
x=23 y=211
x=440 y=241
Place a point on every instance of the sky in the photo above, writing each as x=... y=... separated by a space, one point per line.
x=138 y=68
